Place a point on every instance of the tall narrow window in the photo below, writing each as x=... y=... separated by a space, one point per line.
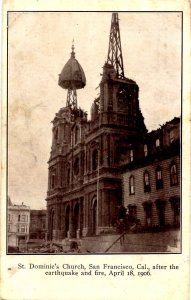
x=56 y=134
x=53 y=180
x=157 y=143
x=145 y=150
x=147 y=186
x=131 y=155
x=131 y=185
x=173 y=174
x=159 y=180
x=76 y=135
x=94 y=159
x=76 y=166
x=171 y=135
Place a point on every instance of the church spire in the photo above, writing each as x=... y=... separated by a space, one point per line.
x=115 y=57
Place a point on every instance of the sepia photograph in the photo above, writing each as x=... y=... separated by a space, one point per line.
x=94 y=107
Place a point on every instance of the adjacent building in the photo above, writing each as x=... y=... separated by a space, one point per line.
x=151 y=180
x=18 y=223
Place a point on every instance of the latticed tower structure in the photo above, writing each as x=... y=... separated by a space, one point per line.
x=115 y=57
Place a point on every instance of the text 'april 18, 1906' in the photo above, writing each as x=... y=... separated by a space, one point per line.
x=98 y=270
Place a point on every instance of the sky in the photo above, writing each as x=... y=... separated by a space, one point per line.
x=39 y=45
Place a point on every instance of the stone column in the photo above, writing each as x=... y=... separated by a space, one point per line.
x=71 y=225
x=48 y=223
x=80 y=226
x=85 y=216
x=62 y=229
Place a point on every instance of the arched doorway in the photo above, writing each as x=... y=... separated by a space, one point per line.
x=94 y=217
x=67 y=220
x=76 y=218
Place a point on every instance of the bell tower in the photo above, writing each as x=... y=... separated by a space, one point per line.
x=66 y=157
x=119 y=96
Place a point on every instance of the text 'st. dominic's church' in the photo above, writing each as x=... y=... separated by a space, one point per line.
x=85 y=186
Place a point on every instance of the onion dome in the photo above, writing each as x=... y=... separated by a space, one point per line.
x=72 y=76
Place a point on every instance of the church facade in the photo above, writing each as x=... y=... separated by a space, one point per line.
x=92 y=160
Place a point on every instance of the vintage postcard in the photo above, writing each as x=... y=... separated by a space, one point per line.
x=95 y=151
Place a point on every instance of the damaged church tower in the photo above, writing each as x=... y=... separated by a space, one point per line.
x=85 y=184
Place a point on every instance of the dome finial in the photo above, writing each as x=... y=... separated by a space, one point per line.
x=73 y=53
x=72 y=78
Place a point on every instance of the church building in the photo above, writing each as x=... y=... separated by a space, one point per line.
x=92 y=167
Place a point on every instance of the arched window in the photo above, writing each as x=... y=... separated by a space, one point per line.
x=131 y=155
x=76 y=134
x=171 y=136
x=131 y=185
x=145 y=150
x=56 y=134
x=147 y=186
x=157 y=143
x=173 y=174
x=53 y=179
x=94 y=159
x=159 y=180
x=76 y=166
